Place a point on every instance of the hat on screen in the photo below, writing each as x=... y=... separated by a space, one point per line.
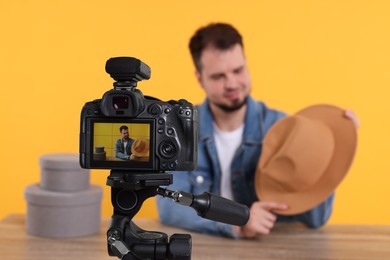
x=140 y=147
x=305 y=157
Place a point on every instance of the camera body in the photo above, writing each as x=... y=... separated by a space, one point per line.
x=161 y=136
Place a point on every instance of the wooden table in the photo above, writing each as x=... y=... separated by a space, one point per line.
x=287 y=241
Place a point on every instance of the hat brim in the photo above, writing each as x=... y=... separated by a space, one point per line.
x=345 y=138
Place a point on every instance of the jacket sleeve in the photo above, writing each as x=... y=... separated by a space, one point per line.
x=314 y=218
x=173 y=214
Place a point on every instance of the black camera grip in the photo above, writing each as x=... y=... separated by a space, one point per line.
x=213 y=207
x=189 y=137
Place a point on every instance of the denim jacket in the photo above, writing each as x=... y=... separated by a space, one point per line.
x=120 y=151
x=206 y=177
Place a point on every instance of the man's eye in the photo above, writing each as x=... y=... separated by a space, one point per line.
x=238 y=71
x=217 y=77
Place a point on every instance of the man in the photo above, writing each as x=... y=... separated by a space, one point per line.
x=123 y=145
x=231 y=128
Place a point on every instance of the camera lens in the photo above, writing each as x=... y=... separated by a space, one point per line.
x=119 y=102
x=168 y=149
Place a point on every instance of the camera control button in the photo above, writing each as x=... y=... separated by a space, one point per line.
x=155 y=109
x=181 y=111
x=172 y=165
x=168 y=149
x=170 y=131
x=188 y=113
x=160 y=130
x=164 y=165
x=167 y=110
x=160 y=121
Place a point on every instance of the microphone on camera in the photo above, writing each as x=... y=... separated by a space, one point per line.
x=210 y=206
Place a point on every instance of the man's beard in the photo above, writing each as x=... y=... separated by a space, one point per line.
x=233 y=107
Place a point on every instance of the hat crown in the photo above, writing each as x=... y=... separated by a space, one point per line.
x=140 y=147
x=296 y=175
x=297 y=153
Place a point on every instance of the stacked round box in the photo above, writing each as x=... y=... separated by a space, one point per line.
x=64 y=204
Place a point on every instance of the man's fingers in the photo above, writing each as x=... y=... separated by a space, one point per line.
x=351 y=115
x=268 y=224
x=261 y=217
x=272 y=205
x=269 y=216
x=263 y=230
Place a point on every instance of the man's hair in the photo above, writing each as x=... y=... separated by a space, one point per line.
x=221 y=36
x=123 y=128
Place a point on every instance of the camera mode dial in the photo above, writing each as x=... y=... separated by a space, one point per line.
x=155 y=109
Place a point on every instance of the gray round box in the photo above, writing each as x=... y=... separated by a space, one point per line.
x=62 y=172
x=64 y=204
x=63 y=214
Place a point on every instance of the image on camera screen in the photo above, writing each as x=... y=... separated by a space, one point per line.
x=122 y=144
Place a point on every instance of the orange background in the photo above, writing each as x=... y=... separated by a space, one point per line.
x=300 y=53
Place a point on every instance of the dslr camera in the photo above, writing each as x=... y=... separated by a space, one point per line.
x=141 y=139
x=161 y=136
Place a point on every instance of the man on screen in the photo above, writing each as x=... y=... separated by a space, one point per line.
x=123 y=145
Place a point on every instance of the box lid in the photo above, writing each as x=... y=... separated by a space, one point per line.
x=60 y=161
x=36 y=195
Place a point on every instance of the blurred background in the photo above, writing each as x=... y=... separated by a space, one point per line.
x=300 y=53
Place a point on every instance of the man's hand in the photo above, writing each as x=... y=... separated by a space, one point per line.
x=351 y=115
x=261 y=219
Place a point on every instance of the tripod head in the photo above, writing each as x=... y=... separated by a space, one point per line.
x=129 y=190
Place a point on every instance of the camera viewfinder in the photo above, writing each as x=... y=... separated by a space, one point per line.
x=120 y=102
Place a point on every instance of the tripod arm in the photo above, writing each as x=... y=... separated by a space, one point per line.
x=210 y=206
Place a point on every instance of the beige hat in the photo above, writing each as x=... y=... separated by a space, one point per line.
x=140 y=147
x=305 y=157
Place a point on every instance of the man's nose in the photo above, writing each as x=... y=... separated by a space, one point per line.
x=231 y=81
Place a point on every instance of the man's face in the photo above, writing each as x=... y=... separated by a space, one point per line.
x=225 y=77
x=125 y=134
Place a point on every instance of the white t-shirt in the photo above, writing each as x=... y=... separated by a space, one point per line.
x=124 y=147
x=227 y=144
